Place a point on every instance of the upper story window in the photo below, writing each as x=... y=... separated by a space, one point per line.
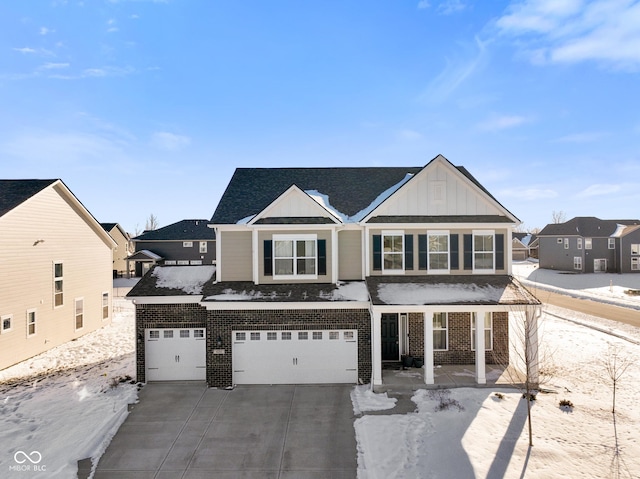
x=635 y=249
x=588 y=244
x=483 y=251
x=612 y=243
x=295 y=256
x=579 y=243
x=31 y=322
x=566 y=243
x=58 y=285
x=79 y=313
x=187 y=244
x=438 y=251
x=392 y=251
x=105 y=305
x=203 y=246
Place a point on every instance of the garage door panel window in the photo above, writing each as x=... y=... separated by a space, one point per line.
x=198 y=333
x=334 y=335
x=185 y=333
x=317 y=335
x=255 y=336
x=286 y=336
x=241 y=336
x=272 y=336
x=303 y=335
x=168 y=334
x=154 y=334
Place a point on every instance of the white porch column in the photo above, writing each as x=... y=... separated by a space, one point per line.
x=255 y=253
x=376 y=348
x=428 y=347
x=334 y=255
x=481 y=377
x=531 y=333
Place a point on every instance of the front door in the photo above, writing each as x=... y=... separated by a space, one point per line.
x=389 y=336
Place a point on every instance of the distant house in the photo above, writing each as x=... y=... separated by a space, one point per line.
x=122 y=251
x=56 y=262
x=587 y=244
x=324 y=275
x=522 y=245
x=187 y=242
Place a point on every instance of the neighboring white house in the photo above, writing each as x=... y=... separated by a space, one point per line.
x=56 y=262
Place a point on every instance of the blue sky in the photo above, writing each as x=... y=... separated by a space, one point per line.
x=147 y=107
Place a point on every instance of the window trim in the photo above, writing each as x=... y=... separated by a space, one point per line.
x=588 y=243
x=579 y=243
x=635 y=263
x=105 y=294
x=2 y=320
x=203 y=247
x=635 y=246
x=293 y=238
x=445 y=329
x=491 y=233
x=577 y=263
x=389 y=233
x=55 y=281
x=611 y=243
x=75 y=313
x=566 y=243
x=490 y=329
x=187 y=244
x=33 y=311
x=447 y=235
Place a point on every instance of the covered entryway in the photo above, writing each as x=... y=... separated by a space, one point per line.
x=175 y=354
x=295 y=357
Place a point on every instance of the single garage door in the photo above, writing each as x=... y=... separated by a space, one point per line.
x=175 y=354
x=295 y=357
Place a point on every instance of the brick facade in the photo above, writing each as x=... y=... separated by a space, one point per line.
x=460 y=351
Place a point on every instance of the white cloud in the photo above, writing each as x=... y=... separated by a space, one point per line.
x=423 y=4
x=24 y=50
x=529 y=194
x=585 y=137
x=169 y=141
x=599 y=190
x=449 y=7
x=410 y=135
x=503 y=122
x=45 y=31
x=573 y=31
x=53 y=66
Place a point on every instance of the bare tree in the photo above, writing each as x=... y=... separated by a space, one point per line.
x=558 y=217
x=616 y=364
x=152 y=223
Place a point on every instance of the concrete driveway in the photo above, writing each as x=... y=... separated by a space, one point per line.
x=186 y=430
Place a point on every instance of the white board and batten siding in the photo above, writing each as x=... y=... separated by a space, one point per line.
x=295 y=357
x=49 y=228
x=175 y=354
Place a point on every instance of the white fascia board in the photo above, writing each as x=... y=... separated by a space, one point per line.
x=166 y=299
x=312 y=227
x=257 y=306
x=439 y=226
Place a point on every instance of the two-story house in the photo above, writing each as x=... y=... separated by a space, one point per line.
x=121 y=251
x=56 y=263
x=587 y=244
x=324 y=274
x=187 y=242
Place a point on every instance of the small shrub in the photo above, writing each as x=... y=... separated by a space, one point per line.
x=566 y=404
x=532 y=396
x=445 y=402
x=499 y=395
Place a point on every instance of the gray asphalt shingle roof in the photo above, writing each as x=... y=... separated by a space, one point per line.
x=185 y=230
x=586 y=226
x=15 y=192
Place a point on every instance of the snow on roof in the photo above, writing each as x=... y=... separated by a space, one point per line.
x=323 y=200
x=415 y=293
x=348 y=291
x=619 y=230
x=189 y=279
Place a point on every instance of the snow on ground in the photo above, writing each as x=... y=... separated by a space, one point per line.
x=480 y=435
x=67 y=403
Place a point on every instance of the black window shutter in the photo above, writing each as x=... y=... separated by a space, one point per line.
x=422 y=251
x=500 y=251
x=454 y=253
x=322 y=256
x=408 y=252
x=468 y=251
x=377 y=252
x=268 y=258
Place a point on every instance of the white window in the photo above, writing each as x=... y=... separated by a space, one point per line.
x=79 y=313
x=635 y=249
x=577 y=262
x=566 y=243
x=105 y=305
x=483 y=256
x=187 y=244
x=440 y=332
x=170 y=262
x=587 y=243
x=488 y=331
x=241 y=336
x=438 y=251
x=58 y=285
x=392 y=251
x=579 y=243
x=295 y=256
x=635 y=264
x=31 y=322
x=203 y=246
x=272 y=336
x=255 y=336
x=195 y=262
x=183 y=262
x=167 y=334
x=612 y=243
x=7 y=323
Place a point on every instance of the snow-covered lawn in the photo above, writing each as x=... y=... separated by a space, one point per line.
x=61 y=406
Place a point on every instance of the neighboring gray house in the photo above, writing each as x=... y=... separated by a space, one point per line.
x=587 y=244
x=187 y=242
x=323 y=275
x=521 y=246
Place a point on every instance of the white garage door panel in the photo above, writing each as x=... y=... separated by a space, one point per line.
x=175 y=354
x=286 y=357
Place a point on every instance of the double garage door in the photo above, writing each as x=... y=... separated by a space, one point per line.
x=295 y=357
x=175 y=354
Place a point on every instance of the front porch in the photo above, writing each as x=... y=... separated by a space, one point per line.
x=397 y=378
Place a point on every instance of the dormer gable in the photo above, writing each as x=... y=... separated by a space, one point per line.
x=441 y=189
x=294 y=206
